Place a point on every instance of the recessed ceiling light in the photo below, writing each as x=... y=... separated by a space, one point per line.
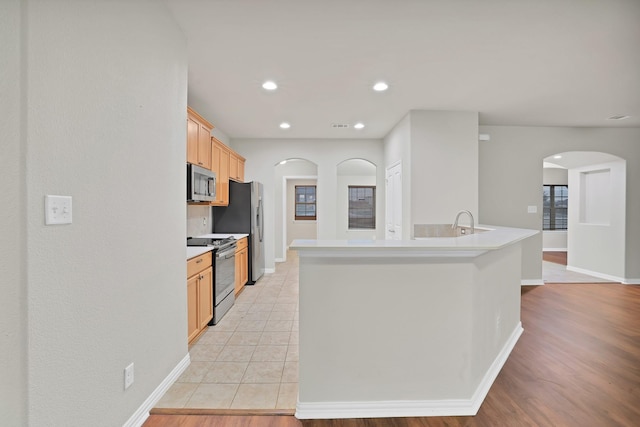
x=283 y=162
x=269 y=85
x=558 y=156
x=358 y=125
x=285 y=125
x=618 y=117
x=380 y=86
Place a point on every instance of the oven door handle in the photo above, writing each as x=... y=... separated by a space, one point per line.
x=228 y=254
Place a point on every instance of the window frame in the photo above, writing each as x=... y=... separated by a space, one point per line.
x=297 y=203
x=553 y=223
x=373 y=216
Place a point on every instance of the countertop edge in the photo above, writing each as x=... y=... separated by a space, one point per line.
x=464 y=246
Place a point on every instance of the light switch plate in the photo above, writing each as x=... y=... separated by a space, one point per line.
x=57 y=210
x=532 y=209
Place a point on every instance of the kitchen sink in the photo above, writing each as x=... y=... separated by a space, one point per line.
x=423 y=231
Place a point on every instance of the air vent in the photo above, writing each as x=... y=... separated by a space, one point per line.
x=340 y=125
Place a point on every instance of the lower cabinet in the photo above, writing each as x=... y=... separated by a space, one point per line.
x=199 y=295
x=193 y=328
x=242 y=264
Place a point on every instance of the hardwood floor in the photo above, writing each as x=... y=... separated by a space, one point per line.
x=555 y=257
x=576 y=364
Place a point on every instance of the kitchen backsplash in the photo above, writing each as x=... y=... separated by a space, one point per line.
x=199 y=220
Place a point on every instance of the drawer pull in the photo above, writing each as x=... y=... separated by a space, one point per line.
x=199 y=261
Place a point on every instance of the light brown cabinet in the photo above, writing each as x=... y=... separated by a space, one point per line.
x=199 y=295
x=236 y=166
x=198 y=139
x=221 y=167
x=205 y=298
x=193 y=328
x=242 y=264
x=227 y=164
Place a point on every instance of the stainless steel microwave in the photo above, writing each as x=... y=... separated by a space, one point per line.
x=201 y=184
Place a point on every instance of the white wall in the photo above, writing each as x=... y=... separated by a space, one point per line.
x=457 y=317
x=444 y=171
x=104 y=120
x=298 y=229
x=439 y=155
x=263 y=154
x=597 y=219
x=510 y=178
x=555 y=240
x=13 y=278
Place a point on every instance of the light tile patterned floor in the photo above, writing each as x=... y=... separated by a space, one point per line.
x=250 y=359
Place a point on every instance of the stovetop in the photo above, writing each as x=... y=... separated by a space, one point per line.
x=207 y=241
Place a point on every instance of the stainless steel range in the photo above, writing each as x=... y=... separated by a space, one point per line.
x=224 y=272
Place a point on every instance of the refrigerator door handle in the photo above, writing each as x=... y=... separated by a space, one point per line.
x=260 y=219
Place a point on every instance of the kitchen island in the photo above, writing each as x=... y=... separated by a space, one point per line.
x=406 y=328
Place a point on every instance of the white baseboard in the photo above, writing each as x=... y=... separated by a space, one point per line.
x=596 y=274
x=496 y=366
x=280 y=260
x=269 y=270
x=531 y=282
x=142 y=413
x=554 y=249
x=412 y=408
x=631 y=282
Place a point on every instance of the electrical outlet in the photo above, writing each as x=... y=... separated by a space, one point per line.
x=128 y=376
x=204 y=220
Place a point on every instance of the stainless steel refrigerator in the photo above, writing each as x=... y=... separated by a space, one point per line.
x=244 y=215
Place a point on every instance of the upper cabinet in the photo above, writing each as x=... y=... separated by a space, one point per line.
x=208 y=152
x=236 y=166
x=198 y=140
x=227 y=164
x=221 y=168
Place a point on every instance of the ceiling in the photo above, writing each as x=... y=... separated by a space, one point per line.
x=527 y=62
x=578 y=159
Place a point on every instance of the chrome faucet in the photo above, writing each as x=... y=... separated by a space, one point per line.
x=455 y=223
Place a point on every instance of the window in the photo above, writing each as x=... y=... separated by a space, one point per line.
x=554 y=205
x=362 y=207
x=305 y=202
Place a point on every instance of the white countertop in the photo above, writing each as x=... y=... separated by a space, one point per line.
x=193 y=251
x=464 y=246
x=197 y=250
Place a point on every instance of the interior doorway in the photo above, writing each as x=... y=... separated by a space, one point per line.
x=584 y=217
x=287 y=172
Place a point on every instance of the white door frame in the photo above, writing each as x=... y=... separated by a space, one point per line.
x=285 y=202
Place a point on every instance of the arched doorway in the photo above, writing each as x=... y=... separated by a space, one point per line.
x=357 y=207
x=594 y=216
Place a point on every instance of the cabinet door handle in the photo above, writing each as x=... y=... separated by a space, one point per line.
x=199 y=261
